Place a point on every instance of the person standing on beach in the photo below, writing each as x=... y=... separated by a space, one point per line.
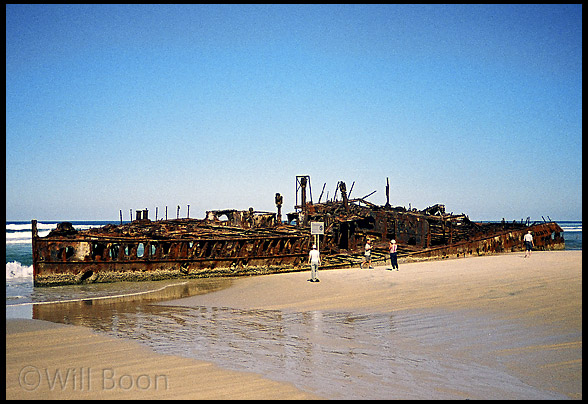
x=393 y=255
x=528 y=239
x=367 y=259
x=314 y=259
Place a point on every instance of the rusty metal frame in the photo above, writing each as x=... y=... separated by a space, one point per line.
x=250 y=242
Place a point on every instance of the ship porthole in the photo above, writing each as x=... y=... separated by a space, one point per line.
x=69 y=252
x=86 y=275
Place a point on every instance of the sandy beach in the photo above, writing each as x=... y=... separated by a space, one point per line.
x=51 y=361
x=506 y=326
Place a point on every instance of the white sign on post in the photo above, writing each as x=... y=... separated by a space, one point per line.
x=317 y=228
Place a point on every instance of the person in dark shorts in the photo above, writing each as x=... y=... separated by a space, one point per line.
x=528 y=239
x=394 y=254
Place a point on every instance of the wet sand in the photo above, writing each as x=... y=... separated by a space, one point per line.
x=530 y=310
x=513 y=321
x=52 y=361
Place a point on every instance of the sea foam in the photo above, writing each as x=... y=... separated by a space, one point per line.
x=16 y=270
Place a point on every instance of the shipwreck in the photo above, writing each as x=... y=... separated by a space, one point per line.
x=235 y=242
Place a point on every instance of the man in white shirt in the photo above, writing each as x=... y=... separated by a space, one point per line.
x=528 y=239
x=314 y=259
x=367 y=258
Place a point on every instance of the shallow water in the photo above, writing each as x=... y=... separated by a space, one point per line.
x=340 y=355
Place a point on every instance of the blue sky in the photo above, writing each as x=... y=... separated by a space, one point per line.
x=119 y=107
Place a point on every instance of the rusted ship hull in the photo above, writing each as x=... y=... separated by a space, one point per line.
x=249 y=243
x=107 y=258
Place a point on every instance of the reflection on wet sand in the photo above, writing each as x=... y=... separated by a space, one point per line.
x=424 y=354
x=102 y=304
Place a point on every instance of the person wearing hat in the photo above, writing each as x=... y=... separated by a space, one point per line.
x=314 y=259
x=393 y=254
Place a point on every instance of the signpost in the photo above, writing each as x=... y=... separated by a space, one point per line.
x=317 y=228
